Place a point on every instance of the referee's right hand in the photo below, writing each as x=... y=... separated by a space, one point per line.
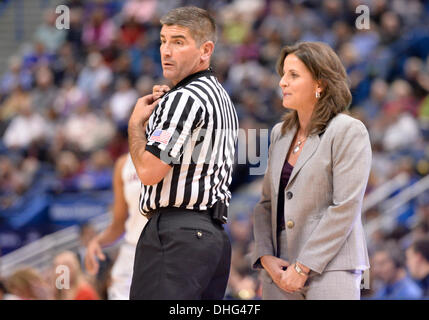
x=93 y=251
x=143 y=109
x=159 y=90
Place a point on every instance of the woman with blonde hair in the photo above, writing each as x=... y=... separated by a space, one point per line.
x=28 y=284
x=73 y=285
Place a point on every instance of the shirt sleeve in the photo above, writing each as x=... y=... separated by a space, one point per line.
x=171 y=126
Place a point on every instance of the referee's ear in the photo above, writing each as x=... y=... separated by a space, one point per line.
x=207 y=49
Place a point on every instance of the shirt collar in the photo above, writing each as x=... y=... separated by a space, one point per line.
x=191 y=77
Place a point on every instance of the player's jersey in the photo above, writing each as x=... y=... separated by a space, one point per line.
x=136 y=221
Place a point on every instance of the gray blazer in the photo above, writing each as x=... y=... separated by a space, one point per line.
x=323 y=198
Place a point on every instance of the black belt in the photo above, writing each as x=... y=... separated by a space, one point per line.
x=218 y=212
x=153 y=213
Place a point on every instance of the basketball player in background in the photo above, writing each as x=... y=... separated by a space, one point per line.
x=126 y=218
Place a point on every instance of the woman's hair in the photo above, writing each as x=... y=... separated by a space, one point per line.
x=27 y=283
x=326 y=67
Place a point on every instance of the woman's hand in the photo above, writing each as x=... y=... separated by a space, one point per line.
x=275 y=267
x=291 y=280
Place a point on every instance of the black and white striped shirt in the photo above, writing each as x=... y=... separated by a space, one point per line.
x=194 y=128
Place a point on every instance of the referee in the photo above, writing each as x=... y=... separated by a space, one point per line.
x=183 y=146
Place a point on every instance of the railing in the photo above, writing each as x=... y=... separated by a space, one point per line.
x=385 y=190
x=18 y=10
x=40 y=253
x=388 y=210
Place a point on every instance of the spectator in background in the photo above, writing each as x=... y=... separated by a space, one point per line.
x=141 y=11
x=373 y=104
x=68 y=63
x=4 y=293
x=388 y=269
x=15 y=76
x=122 y=101
x=390 y=30
x=145 y=83
x=16 y=99
x=48 y=34
x=402 y=130
x=69 y=98
x=242 y=283
x=95 y=77
x=99 y=31
x=74 y=34
x=26 y=128
x=122 y=68
x=98 y=172
x=130 y=32
x=72 y=175
x=102 y=278
x=28 y=284
x=80 y=287
x=67 y=170
x=16 y=176
x=418 y=263
x=45 y=92
x=86 y=130
x=37 y=57
x=86 y=233
x=413 y=71
x=396 y=48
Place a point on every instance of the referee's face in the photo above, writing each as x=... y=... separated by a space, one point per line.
x=180 y=55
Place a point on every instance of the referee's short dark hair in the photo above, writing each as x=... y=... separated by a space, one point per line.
x=421 y=246
x=197 y=20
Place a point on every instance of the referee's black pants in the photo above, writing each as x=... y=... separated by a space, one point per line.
x=181 y=255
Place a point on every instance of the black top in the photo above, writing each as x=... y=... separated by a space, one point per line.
x=284 y=179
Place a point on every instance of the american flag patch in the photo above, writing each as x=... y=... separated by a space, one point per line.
x=161 y=136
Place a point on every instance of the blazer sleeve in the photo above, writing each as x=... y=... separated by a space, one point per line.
x=262 y=225
x=351 y=164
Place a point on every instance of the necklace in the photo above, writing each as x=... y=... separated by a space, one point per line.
x=296 y=149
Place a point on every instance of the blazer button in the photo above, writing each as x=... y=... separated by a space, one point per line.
x=289 y=195
x=290 y=224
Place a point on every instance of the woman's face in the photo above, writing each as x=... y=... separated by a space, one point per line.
x=298 y=85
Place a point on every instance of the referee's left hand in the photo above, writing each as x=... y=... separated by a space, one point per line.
x=143 y=109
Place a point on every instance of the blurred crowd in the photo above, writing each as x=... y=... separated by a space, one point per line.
x=65 y=102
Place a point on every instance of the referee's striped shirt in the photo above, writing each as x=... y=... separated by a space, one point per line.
x=194 y=128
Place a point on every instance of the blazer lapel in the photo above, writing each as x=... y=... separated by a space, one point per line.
x=307 y=151
x=279 y=156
